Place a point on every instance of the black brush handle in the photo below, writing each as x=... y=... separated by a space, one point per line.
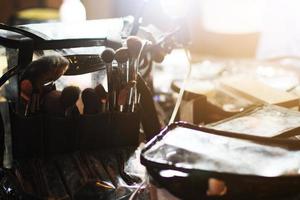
x=11 y=72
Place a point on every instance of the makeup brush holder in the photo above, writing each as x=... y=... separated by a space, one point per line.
x=108 y=130
x=45 y=135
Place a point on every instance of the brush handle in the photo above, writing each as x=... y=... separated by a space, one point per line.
x=109 y=86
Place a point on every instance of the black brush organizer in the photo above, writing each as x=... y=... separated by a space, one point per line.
x=27 y=137
x=125 y=129
x=59 y=134
x=45 y=135
x=93 y=131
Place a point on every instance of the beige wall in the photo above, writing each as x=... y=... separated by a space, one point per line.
x=99 y=8
x=224 y=45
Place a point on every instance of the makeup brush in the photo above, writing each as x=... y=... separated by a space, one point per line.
x=134 y=45
x=116 y=85
x=52 y=103
x=101 y=96
x=124 y=97
x=25 y=93
x=108 y=56
x=41 y=71
x=69 y=97
x=100 y=91
x=158 y=56
x=122 y=57
x=45 y=69
x=26 y=89
x=90 y=101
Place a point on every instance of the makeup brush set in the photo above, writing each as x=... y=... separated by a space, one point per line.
x=86 y=152
x=37 y=80
x=48 y=121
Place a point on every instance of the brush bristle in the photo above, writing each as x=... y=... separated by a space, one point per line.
x=134 y=45
x=45 y=69
x=69 y=96
x=52 y=104
x=100 y=91
x=122 y=55
x=90 y=101
x=108 y=55
x=26 y=87
x=158 y=57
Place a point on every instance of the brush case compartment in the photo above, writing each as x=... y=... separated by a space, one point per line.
x=46 y=135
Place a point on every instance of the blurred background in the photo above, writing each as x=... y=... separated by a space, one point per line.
x=224 y=28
